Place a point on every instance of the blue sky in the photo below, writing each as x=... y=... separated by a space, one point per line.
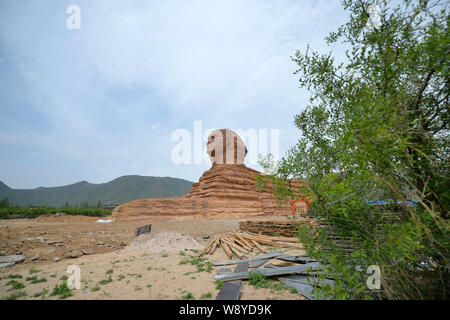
x=102 y=101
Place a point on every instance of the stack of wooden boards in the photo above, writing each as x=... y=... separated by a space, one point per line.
x=297 y=272
x=241 y=244
x=270 y=227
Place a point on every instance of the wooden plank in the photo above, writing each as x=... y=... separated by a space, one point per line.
x=229 y=291
x=232 y=245
x=270 y=271
x=226 y=249
x=258 y=263
x=240 y=243
x=271 y=254
x=216 y=244
x=224 y=271
x=208 y=251
x=243 y=240
x=274 y=238
x=235 y=251
x=241 y=267
x=210 y=242
x=305 y=279
x=304 y=259
x=303 y=288
x=232 y=289
x=258 y=246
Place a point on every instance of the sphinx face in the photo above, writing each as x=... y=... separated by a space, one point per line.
x=226 y=147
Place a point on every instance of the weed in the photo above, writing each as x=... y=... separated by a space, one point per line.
x=14 y=276
x=16 y=285
x=105 y=281
x=96 y=288
x=62 y=290
x=34 y=279
x=15 y=295
x=207 y=295
x=34 y=270
x=109 y=271
x=219 y=284
x=188 y=296
x=40 y=293
x=259 y=280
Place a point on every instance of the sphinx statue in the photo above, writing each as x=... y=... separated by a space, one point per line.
x=226 y=190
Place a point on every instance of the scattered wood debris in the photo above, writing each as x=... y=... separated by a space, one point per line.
x=241 y=244
x=297 y=272
x=270 y=227
x=232 y=289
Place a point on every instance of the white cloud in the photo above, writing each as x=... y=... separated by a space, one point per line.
x=112 y=92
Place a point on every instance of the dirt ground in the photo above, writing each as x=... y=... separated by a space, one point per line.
x=151 y=266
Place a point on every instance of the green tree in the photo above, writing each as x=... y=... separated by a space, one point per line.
x=84 y=205
x=377 y=128
x=99 y=204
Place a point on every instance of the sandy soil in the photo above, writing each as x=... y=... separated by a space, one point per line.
x=151 y=266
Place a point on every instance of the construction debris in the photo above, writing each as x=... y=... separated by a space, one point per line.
x=242 y=243
x=297 y=272
x=270 y=255
x=271 y=227
x=271 y=271
x=144 y=229
x=231 y=289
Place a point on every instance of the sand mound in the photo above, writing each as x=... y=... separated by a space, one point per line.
x=163 y=242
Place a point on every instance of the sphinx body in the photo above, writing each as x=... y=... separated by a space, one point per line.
x=226 y=190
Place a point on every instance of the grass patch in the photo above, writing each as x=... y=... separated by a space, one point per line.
x=15 y=285
x=259 y=280
x=62 y=291
x=109 y=271
x=16 y=295
x=201 y=267
x=34 y=270
x=219 y=284
x=34 y=279
x=105 y=281
x=96 y=288
x=207 y=295
x=188 y=296
x=40 y=293
x=165 y=255
x=14 y=276
x=121 y=277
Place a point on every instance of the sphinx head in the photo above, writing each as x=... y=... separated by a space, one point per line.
x=226 y=147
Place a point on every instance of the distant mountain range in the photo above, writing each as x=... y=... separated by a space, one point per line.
x=117 y=191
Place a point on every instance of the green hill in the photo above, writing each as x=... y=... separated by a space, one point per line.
x=117 y=191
